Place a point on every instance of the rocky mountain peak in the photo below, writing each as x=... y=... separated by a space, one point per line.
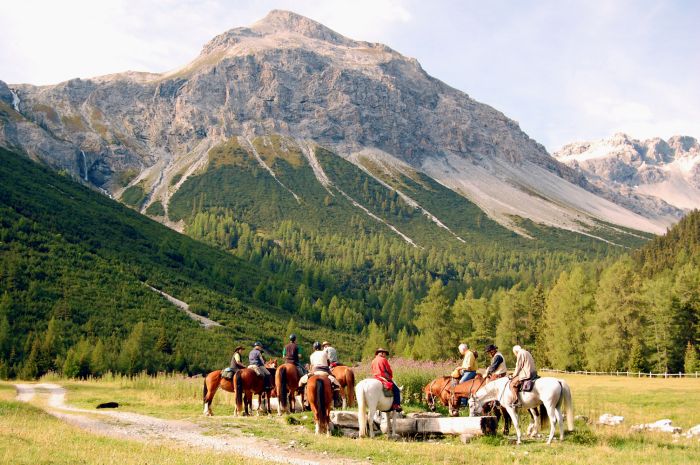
x=281 y=22
x=276 y=25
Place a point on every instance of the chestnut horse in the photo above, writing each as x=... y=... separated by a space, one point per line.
x=441 y=388
x=212 y=382
x=287 y=385
x=320 y=395
x=346 y=378
x=434 y=389
x=246 y=383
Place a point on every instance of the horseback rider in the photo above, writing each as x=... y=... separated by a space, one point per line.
x=468 y=363
x=332 y=353
x=524 y=370
x=236 y=363
x=319 y=362
x=497 y=369
x=381 y=370
x=292 y=354
x=257 y=363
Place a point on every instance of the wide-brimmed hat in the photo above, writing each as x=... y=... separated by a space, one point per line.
x=490 y=347
x=238 y=348
x=325 y=343
x=381 y=350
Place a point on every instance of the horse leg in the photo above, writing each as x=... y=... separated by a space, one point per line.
x=370 y=420
x=560 y=420
x=553 y=419
x=516 y=424
x=209 y=392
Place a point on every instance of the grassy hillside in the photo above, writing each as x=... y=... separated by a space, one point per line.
x=73 y=264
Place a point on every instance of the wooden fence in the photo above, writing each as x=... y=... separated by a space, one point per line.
x=638 y=374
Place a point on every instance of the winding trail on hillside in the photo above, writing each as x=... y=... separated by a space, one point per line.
x=144 y=428
x=204 y=321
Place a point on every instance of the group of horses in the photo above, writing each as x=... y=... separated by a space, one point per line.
x=485 y=396
x=318 y=393
x=489 y=396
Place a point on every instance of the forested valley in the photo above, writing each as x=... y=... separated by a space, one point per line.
x=73 y=297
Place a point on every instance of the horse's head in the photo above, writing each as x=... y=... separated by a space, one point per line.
x=476 y=407
x=271 y=364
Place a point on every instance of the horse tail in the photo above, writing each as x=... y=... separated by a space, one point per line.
x=350 y=385
x=238 y=383
x=282 y=388
x=361 y=410
x=544 y=417
x=567 y=399
x=205 y=390
x=321 y=400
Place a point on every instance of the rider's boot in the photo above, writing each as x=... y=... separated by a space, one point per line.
x=337 y=400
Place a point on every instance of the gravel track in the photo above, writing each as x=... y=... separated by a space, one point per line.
x=134 y=426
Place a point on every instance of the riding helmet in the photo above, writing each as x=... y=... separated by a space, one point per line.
x=317 y=345
x=292 y=337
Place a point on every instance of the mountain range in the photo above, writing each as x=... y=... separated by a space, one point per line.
x=654 y=177
x=288 y=115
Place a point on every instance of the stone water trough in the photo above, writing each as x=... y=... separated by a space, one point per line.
x=419 y=424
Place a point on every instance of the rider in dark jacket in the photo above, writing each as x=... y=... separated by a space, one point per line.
x=292 y=354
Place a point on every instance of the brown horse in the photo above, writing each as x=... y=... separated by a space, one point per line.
x=346 y=378
x=320 y=396
x=212 y=382
x=287 y=386
x=246 y=383
x=434 y=389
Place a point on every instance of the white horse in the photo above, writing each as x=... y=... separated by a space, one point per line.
x=550 y=392
x=369 y=395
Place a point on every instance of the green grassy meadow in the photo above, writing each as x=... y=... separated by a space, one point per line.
x=639 y=400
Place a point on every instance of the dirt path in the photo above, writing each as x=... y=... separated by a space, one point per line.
x=133 y=426
x=204 y=321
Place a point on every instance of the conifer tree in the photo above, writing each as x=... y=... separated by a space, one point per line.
x=691 y=362
x=568 y=304
x=616 y=319
x=375 y=338
x=436 y=336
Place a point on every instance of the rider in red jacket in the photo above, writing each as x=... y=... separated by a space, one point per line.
x=381 y=370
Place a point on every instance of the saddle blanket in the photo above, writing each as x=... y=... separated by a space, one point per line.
x=387 y=392
x=227 y=373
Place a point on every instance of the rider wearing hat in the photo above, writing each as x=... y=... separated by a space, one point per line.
x=319 y=363
x=381 y=370
x=292 y=354
x=236 y=362
x=468 y=367
x=257 y=363
x=332 y=353
x=497 y=369
x=524 y=370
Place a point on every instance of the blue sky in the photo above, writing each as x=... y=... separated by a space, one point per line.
x=565 y=70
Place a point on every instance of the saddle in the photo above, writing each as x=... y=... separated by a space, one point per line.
x=227 y=373
x=528 y=384
x=258 y=370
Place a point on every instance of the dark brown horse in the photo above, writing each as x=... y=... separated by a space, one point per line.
x=346 y=378
x=246 y=383
x=287 y=386
x=320 y=396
